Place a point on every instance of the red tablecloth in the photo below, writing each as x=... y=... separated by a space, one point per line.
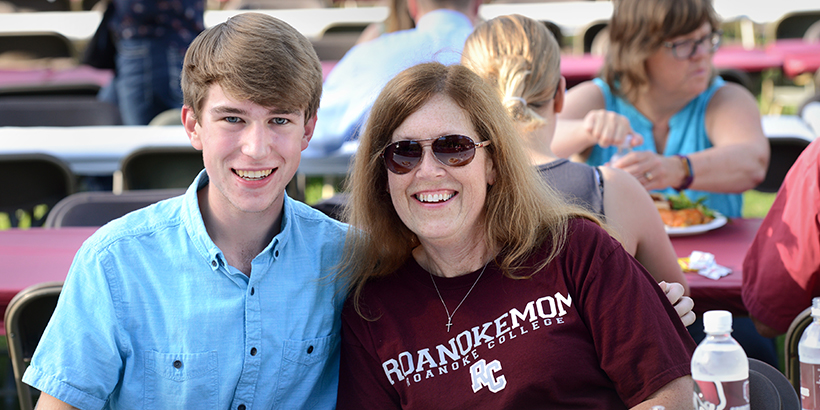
x=36 y=255
x=32 y=256
x=82 y=74
x=798 y=56
x=729 y=244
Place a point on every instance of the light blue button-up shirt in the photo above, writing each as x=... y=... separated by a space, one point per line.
x=351 y=88
x=152 y=317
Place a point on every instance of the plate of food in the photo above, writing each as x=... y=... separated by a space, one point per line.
x=682 y=216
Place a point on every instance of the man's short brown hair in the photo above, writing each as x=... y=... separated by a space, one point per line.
x=254 y=57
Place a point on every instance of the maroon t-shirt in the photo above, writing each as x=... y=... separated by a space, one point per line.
x=590 y=331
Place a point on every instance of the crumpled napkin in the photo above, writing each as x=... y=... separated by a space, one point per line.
x=704 y=264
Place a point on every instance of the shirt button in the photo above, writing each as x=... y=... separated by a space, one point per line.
x=177 y=364
x=241 y=407
x=276 y=253
x=252 y=291
x=310 y=349
x=213 y=263
x=253 y=351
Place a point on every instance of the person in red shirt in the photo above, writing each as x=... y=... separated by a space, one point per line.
x=781 y=271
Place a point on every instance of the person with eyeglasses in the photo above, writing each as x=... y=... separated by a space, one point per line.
x=521 y=59
x=693 y=132
x=474 y=285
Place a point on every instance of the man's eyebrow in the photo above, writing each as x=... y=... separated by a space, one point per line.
x=225 y=109
x=284 y=111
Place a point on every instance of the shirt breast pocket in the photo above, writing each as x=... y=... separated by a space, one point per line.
x=309 y=370
x=181 y=380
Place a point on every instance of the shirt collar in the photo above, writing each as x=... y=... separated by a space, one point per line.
x=194 y=225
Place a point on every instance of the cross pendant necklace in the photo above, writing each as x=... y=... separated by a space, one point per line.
x=450 y=316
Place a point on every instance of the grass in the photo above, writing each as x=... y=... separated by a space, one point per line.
x=756 y=204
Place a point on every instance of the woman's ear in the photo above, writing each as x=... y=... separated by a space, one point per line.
x=559 y=95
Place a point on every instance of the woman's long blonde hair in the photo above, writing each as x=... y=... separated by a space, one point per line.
x=520 y=57
x=521 y=211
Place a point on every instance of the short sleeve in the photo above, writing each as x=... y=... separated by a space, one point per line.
x=80 y=356
x=360 y=386
x=640 y=340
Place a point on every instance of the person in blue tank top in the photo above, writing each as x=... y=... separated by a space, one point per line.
x=520 y=58
x=692 y=131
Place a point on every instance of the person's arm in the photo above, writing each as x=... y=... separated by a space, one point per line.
x=740 y=155
x=764 y=329
x=675 y=395
x=46 y=402
x=584 y=122
x=630 y=210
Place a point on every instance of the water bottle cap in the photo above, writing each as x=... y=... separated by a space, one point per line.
x=815 y=307
x=717 y=321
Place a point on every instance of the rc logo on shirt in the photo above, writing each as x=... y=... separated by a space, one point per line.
x=483 y=374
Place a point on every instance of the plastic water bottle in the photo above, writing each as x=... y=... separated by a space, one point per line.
x=623 y=149
x=720 y=367
x=808 y=350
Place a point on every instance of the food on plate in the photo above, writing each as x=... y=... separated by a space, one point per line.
x=679 y=211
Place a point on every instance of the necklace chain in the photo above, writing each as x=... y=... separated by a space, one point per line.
x=449 y=316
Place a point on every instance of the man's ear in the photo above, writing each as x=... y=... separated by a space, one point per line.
x=310 y=126
x=190 y=123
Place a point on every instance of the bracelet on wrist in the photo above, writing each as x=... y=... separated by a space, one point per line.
x=689 y=174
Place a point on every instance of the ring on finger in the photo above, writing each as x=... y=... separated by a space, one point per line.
x=647 y=175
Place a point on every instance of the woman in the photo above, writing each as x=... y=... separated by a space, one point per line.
x=398 y=18
x=696 y=132
x=520 y=57
x=474 y=285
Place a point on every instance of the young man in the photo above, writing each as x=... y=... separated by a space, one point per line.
x=223 y=297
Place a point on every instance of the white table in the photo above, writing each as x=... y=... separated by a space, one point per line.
x=92 y=151
x=97 y=151
x=571 y=16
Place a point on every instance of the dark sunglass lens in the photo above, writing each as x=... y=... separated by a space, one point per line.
x=402 y=156
x=454 y=150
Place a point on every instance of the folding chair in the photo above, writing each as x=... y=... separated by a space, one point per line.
x=769 y=389
x=158 y=168
x=30 y=180
x=336 y=40
x=784 y=151
x=37 y=45
x=26 y=318
x=98 y=208
x=793 y=25
x=791 y=366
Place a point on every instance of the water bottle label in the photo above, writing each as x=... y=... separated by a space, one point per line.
x=713 y=395
x=810 y=386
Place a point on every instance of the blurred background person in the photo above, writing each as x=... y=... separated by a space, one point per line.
x=521 y=59
x=781 y=271
x=151 y=37
x=355 y=82
x=692 y=131
x=398 y=18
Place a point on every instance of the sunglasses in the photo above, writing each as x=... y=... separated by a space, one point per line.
x=401 y=157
